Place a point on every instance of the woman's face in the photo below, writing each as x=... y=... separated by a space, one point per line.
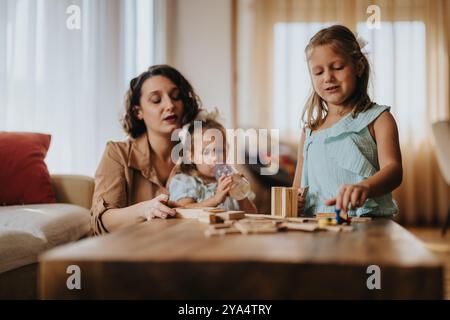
x=161 y=106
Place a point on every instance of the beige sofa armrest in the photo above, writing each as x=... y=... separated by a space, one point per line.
x=73 y=189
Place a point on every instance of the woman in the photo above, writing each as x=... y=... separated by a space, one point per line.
x=130 y=181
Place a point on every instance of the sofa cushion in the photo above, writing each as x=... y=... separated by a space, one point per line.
x=26 y=231
x=24 y=177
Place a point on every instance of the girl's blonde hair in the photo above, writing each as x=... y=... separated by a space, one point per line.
x=344 y=42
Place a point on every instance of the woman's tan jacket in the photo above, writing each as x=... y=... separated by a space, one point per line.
x=125 y=176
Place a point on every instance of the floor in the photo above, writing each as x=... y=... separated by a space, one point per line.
x=440 y=246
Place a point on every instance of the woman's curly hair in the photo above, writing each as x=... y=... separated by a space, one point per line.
x=135 y=127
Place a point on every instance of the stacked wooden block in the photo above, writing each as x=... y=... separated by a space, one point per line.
x=284 y=202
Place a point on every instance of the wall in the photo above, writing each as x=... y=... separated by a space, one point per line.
x=199 y=45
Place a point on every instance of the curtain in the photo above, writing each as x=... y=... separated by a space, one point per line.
x=68 y=77
x=409 y=56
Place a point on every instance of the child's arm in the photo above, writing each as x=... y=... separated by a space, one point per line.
x=224 y=186
x=391 y=172
x=298 y=170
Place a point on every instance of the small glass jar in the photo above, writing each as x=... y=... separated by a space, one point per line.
x=240 y=188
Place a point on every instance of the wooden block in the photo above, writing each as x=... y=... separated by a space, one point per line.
x=273 y=208
x=231 y=215
x=195 y=213
x=220 y=232
x=303 y=220
x=289 y=202
x=361 y=219
x=241 y=227
x=188 y=213
x=325 y=215
x=346 y=228
x=276 y=201
x=209 y=218
x=256 y=227
x=338 y=228
x=294 y=201
x=225 y=224
x=258 y=216
x=285 y=203
x=310 y=227
x=215 y=210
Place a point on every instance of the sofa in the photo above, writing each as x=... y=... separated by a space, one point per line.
x=28 y=230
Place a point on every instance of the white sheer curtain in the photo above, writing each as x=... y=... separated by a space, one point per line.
x=70 y=83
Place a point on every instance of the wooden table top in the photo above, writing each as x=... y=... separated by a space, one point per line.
x=180 y=245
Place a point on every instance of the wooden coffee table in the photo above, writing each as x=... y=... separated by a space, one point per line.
x=172 y=259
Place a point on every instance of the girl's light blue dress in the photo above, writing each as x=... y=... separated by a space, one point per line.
x=183 y=186
x=345 y=153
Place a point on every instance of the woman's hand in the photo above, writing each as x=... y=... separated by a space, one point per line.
x=353 y=194
x=156 y=208
x=223 y=188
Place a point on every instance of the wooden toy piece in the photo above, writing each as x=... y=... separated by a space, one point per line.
x=284 y=202
x=338 y=228
x=209 y=214
x=276 y=201
x=361 y=219
x=214 y=210
x=257 y=227
x=225 y=224
x=310 y=227
x=321 y=215
x=253 y=216
x=324 y=222
x=231 y=215
x=190 y=213
x=289 y=202
x=342 y=217
x=242 y=228
x=302 y=220
x=211 y=231
x=209 y=218
x=338 y=215
x=258 y=216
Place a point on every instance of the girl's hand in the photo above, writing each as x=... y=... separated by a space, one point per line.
x=156 y=208
x=354 y=194
x=223 y=188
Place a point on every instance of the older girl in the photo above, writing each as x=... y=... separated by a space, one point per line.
x=349 y=154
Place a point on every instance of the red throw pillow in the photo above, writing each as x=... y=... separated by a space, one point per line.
x=24 y=177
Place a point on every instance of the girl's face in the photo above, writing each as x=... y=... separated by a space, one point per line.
x=333 y=75
x=161 y=106
x=208 y=151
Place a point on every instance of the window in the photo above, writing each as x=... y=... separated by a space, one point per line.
x=396 y=52
x=71 y=82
